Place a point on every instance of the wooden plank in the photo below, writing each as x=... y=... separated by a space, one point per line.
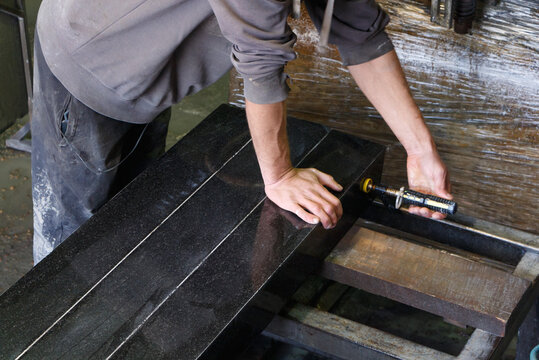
x=480 y=346
x=528 y=267
x=484 y=346
x=344 y=339
x=429 y=279
x=478 y=93
x=331 y=296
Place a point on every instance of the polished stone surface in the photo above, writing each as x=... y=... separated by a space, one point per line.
x=178 y=262
x=51 y=287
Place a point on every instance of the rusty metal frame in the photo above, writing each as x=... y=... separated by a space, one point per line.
x=339 y=338
x=321 y=332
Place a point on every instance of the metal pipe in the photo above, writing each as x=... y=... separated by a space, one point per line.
x=464 y=15
x=525 y=246
x=436 y=16
x=520 y=244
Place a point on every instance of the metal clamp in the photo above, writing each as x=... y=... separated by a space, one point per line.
x=398 y=199
x=436 y=15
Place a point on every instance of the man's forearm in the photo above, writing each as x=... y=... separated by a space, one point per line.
x=382 y=81
x=301 y=191
x=267 y=123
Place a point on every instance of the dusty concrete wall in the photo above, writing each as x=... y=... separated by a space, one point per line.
x=13 y=99
x=479 y=94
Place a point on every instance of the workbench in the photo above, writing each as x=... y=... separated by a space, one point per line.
x=191 y=261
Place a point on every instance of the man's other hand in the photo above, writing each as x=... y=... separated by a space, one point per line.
x=428 y=174
x=303 y=192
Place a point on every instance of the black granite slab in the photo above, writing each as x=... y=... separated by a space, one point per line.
x=204 y=307
x=31 y=305
x=171 y=266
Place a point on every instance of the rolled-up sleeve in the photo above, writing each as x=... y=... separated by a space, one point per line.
x=357 y=28
x=262 y=44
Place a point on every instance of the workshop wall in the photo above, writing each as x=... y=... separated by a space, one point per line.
x=13 y=99
x=479 y=94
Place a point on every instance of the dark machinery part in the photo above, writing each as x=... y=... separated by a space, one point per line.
x=17 y=141
x=443 y=12
x=464 y=15
x=409 y=197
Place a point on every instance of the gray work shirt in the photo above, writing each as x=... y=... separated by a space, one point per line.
x=131 y=59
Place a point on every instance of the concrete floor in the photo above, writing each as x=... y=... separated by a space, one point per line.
x=15 y=181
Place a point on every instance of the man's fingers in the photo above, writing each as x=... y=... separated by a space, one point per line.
x=304 y=193
x=425 y=212
x=327 y=180
x=442 y=189
x=416 y=210
x=447 y=184
x=444 y=193
x=333 y=200
x=324 y=211
x=306 y=216
x=438 y=216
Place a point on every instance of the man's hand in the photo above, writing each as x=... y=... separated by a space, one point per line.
x=303 y=192
x=382 y=81
x=428 y=174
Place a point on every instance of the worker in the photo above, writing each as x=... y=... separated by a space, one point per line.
x=107 y=72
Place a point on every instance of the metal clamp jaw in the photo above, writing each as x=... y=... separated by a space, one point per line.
x=398 y=199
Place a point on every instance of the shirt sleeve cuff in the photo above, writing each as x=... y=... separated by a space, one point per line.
x=375 y=47
x=267 y=90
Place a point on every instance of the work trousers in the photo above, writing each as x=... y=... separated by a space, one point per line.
x=80 y=158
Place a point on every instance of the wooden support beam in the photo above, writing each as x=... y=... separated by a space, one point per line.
x=331 y=296
x=485 y=346
x=429 y=279
x=341 y=338
x=480 y=346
